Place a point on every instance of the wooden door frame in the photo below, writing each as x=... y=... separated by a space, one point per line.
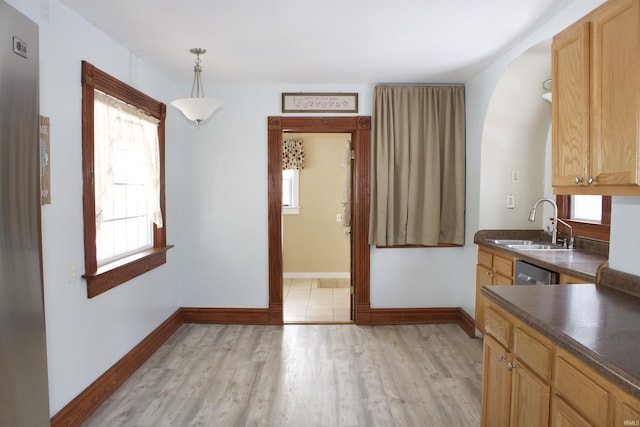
x=360 y=129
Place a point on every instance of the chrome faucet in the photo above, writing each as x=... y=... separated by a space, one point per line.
x=571 y=242
x=532 y=216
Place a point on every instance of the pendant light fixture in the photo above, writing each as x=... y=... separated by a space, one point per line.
x=197 y=108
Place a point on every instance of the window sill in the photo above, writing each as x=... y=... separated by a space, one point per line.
x=290 y=210
x=439 y=245
x=586 y=229
x=116 y=273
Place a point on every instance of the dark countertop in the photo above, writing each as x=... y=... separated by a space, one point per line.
x=597 y=324
x=582 y=262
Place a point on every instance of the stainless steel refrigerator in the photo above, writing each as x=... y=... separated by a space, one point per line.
x=24 y=397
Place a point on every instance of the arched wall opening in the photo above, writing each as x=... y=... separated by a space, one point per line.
x=515 y=152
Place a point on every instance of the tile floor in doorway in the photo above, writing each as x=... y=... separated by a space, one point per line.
x=306 y=302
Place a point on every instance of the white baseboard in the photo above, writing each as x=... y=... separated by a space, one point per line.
x=322 y=275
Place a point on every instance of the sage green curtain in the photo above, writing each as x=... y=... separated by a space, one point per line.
x=418 y=165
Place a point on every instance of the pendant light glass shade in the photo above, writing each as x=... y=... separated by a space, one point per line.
x=197 y=108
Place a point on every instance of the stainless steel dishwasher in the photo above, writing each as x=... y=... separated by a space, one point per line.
x=529 y=274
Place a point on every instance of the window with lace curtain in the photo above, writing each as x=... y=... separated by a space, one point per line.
x=127 y=178
x=123 y=171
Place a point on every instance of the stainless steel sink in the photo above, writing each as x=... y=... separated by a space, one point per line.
x=527 y=245
x=535 y=247
x=510 y=242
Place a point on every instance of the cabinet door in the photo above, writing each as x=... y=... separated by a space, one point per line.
x=496 y=385
x=629 y=416
x=504 y=265
x=499 y=279
x=570 y=106
x=484 y=277
x=570 y=280
x=529 y=398
x=564 y=415
x=485 y=258
x=615 y=124
x=627 y=410
x=583 y=389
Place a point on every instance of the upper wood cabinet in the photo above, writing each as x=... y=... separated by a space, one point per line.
x=596 y=102
x=570 y=106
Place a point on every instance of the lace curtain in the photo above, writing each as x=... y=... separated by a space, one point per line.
x=118 y=125
x=292 y=154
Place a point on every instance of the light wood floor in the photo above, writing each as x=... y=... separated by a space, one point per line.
x=303 y=376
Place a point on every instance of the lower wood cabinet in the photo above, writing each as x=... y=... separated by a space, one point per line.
x=565 y=279
x=529 y=397
x=628 y=411
x=565 y=416
x=495 y=358
x=530 y=381
x=513 y=392
x=579 y=387
x=493 y=268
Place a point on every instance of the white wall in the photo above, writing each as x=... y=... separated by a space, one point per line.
x=625 y=234
x=514 y=139
x=479 y=91
x=416 y=277
x=217 y=205
x=87 y=336
x=224 y=195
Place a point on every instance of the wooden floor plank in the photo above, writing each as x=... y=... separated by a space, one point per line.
x=304 y=375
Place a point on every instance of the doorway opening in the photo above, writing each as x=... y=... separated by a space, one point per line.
x=359 y=129
x=316 y=238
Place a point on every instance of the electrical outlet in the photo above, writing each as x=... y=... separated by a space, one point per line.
x=338 y=217
x=515 y=176
x=73 y=275
x=511 y=201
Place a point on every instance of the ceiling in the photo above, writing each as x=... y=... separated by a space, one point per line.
x=319 y=41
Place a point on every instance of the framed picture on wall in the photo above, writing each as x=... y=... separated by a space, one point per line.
x=319 y=102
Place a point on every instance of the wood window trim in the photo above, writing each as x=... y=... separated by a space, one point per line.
x=101 y=279
x=582 y=228
x=439 y=245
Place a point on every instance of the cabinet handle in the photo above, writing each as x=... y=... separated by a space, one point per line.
x=488 y=273
x=579 y=180
x=511 y=366
x=502 y=357
x=591 y=180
